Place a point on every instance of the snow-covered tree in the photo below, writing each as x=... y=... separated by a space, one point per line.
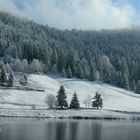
x=97 y=101
x=24 y=65
x=1 y=63
x=69 y=73
x=92 y=74
x=133 y=87
x=8 y=68
x=72 y=59
x=16 y=64
x=10 y=80
x=23 y=80
x=125 y=82
x=74 y=102
x=138 y=87
x=50 y=100
x=79 y=71
x=97 y=75
x=62 y=98
x=36 y=66
x=3 y=77
x=105 y=68
x=54 y=57
x=63 y=73
x=87 y=101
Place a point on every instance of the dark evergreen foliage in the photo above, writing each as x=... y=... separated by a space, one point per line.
x=61 y=98
x=108 y=55
x=69 y=73
x=74 y=102
x=97 y=101
x=10 y=80
x=138 y=87
x=23 y=80
x=133 y=87
x=3 y=78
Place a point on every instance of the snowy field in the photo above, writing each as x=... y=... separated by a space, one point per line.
x=113 y=98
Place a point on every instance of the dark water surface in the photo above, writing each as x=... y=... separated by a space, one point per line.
x=30 y=129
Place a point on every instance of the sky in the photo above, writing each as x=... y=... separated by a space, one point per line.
x=77 y=14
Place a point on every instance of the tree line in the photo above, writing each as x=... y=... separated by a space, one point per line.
x=111 y=56
x=7 y=77
x=60 y=101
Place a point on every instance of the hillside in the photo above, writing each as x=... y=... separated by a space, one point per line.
x=113 y=98
x=111 y=56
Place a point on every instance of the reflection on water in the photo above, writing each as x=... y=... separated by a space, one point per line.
x=68 y=130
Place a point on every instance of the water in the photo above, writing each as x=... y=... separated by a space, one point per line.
x=68 y=130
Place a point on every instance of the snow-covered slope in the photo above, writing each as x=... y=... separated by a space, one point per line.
x=113 y=98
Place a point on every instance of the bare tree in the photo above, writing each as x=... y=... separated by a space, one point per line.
x=50 y=100
x=87 y=101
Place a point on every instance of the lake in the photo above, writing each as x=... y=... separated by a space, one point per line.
x=53 y=129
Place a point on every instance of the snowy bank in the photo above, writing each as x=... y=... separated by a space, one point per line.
x=18 y=103
x=68 y=114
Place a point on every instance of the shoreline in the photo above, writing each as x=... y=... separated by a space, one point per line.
x=69 y=114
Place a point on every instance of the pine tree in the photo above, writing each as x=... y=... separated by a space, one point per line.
x=74 y=102
x=3 y=76
x=54 y=58
x=125 y=82
x=92 y=76
x=1 y=64
x=119 y=79
x=97 y=102
x=10 y=80
x=61 y=61
x=61 y=98
x=124 y=66
x=72 y=59
x=133 y=86
x=106 y=68
x=69 y=73
x=23 y=80
x=63 y=73
x=138 y=87
x=79 y=71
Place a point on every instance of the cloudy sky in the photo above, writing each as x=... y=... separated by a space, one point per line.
x=79 y=14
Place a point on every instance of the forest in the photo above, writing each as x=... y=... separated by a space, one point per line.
x=111 y=56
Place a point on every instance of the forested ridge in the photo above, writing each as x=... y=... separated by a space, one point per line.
x=112 y=56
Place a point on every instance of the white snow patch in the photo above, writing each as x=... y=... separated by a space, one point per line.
x=113 y=98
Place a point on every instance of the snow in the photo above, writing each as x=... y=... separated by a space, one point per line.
x=73 y=114
x=113 y=98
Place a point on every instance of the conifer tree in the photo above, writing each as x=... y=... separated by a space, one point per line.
x=125 y=82
x=3 y=76
x=74 y=102
x=10 y=80
x=97 y=102
x=133 y=86
x=69 y=73
x=61 y=98
x=92 y=74
x=138 y=87
x=23 y=80
x=1 y=64
x=63 y=72
x=54 y=58
x=79 y=72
